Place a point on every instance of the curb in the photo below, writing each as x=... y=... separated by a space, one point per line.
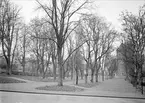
x=67 y=94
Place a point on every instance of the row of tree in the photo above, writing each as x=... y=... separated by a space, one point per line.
x=71 y=46
x=9 y=30
x=133 y=46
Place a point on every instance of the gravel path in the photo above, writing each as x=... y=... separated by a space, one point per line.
x=115 y=87
x=112 y=87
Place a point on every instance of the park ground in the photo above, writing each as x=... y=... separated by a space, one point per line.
x=115 y=90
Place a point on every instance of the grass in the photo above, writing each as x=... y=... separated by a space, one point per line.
x=39 y=79
x=9 y=80
x=87 y=85
x=64 y=88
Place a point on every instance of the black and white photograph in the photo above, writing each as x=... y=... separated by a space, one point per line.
x=72 y=51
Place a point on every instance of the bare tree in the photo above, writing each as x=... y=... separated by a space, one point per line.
x=9 y=31
x=134 y=29
x=23 y=46
x=60 y=14
x=78 y=64
x=41 y=46
x=53 y=54
x=85 y=32
x=100 y=37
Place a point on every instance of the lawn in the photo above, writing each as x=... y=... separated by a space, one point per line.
x=40 y=79
x=35 y=78
x=64 y=88
x=4 y=79
x=88 y=85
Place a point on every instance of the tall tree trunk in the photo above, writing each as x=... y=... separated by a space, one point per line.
x=142 y=83
x=96 y=75
x=42 y=59
x=81 y=71
x=86 y=78
x=86 y=73
x=64 y=72
x=7 y=57
x=102 y=74
x=92 y=75
x=24 y=53
x=72 y=68
x=43 y=68
x=76 y=76
x=23 y=64
x=71 y=73
x=9 y=63
x=60 y=60
x=54 y=67
x=38 y=66
x=103 y=63
x=36 y=70
x=9 y=67
x=23 y=69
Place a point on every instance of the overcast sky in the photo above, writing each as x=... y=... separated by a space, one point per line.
x=110 y=9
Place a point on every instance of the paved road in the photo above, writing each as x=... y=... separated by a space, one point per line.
x=8 y=97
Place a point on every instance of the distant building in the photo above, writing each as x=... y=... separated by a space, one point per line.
x=121 y=66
